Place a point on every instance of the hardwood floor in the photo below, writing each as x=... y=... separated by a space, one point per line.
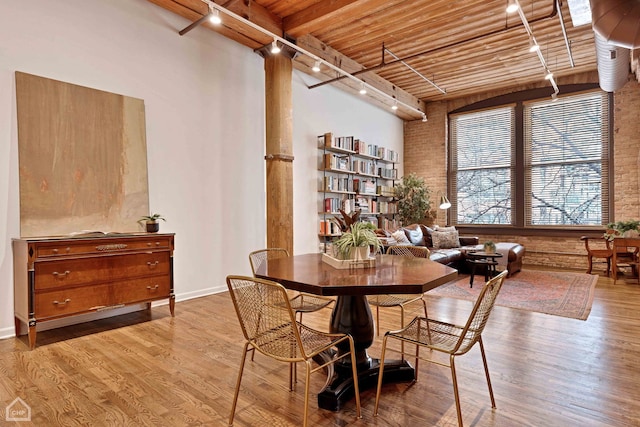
x=147 y=368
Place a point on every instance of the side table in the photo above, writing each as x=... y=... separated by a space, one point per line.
x=484 y=259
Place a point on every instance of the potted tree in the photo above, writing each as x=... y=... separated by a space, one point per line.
x=355 y=243
x=414 y=200
x=151 y=222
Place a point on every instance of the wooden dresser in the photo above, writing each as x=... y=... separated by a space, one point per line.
x=56 y=277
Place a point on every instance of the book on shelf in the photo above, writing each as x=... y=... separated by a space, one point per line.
x=368 y=186
x=362 y=203
x=387 y=173
x=386 y=191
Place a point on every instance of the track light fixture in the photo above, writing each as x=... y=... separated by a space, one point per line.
x=533 y=45
x=554 y=96
x=316 y=67
x=395 y=105
x=275 y=49
x=548 y=75
x=512 y=6
x=214 y=16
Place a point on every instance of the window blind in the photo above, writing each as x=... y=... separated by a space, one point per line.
x=566 y=146
x=482 y=153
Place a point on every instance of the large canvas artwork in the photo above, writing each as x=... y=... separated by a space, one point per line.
x=82 y=158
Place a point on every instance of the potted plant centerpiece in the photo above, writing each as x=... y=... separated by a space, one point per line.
x=489 y=247
x=355 y=243
x=628 y=228
x=151 y=222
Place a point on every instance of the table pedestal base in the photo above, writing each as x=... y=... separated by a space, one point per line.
x=340 y=390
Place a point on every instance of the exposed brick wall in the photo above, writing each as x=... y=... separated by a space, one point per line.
x=425 y=154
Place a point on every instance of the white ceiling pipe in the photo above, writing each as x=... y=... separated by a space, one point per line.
x=613 y=64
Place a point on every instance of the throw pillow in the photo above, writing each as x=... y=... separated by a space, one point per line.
x=400 y=237
x=415 y=236
x=438 y=228
x=426 y=232
x=445 y=239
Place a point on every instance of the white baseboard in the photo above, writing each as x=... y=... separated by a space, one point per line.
x=88 y=317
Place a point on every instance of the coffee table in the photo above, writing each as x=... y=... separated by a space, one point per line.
x=483 y=259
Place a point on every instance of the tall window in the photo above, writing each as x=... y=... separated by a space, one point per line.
x=559 y=160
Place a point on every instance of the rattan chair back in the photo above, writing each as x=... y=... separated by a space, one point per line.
x=409 y=251
x=269 y=326
x=479 y=315
x=257 y=258
x=266 y=317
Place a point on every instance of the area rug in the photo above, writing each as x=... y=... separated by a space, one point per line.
x=550 y=292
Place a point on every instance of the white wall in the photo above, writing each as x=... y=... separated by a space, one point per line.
x=315 y=112
x=204 y=100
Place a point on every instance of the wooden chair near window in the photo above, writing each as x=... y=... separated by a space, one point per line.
x=448 y=338
x=625 y=255
x=269 y=326
x=597 y=251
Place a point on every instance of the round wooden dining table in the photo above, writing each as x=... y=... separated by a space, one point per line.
x=351 y=314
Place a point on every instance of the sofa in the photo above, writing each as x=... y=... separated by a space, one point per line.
x=449 y=248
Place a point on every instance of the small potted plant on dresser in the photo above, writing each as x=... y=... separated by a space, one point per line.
x=151 y=222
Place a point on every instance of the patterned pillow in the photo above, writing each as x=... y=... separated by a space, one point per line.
x=445 y=239
x=400 y=237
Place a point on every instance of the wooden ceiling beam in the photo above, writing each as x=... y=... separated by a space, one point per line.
x=194 y=10
x=304 y=21
x=327 y=12
x=316 y=47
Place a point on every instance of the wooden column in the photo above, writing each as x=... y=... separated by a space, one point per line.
x=279 y=151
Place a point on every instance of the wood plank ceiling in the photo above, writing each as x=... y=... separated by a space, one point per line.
x=465 y=47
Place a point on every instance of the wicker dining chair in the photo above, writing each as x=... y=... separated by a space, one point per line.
x=301 y=302
x=448 y=338
x=269 y=326
x=399 y=300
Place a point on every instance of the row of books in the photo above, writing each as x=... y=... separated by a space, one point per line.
x=342 y=162
x=388 y=155
x=329 y=227
x=358 y=146
x=337 y=162
x=365 y=186
x=336 y=183
x=388 y=173
x=386 y=191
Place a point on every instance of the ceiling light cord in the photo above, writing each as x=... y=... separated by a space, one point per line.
x=286 y=42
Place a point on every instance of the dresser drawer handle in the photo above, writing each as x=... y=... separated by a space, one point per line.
x=61 y=275
x=154 y=288
x=153 y=264
x=62 y=303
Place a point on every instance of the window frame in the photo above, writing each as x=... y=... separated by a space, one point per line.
x=518 y=226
